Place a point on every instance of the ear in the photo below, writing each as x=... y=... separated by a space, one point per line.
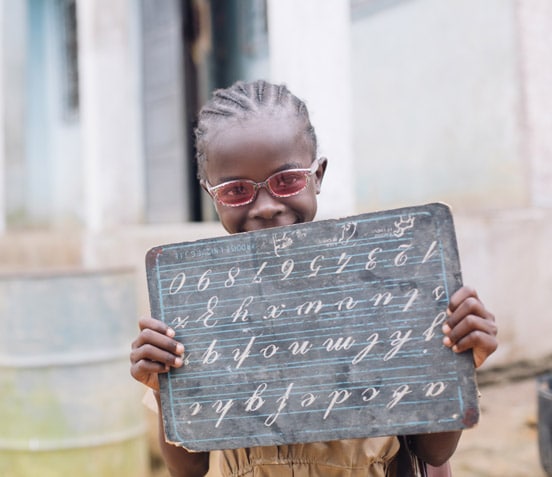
x=203 y=185
x=319 y=174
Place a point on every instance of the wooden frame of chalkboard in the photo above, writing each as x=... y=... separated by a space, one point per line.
x=313 y=332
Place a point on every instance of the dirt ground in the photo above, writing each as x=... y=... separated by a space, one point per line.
x=505 y=441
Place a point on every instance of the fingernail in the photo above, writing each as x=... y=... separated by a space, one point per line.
x=447 y=342
x=179 y=348
x=178 y=362
x=446 y=329
x=170 y=332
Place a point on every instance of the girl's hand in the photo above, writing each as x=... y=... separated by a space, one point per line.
x=470 y=325
x=153 y=352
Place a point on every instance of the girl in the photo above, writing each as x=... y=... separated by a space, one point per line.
x=256 y=153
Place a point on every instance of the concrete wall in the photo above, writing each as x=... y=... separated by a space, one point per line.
x=110 y=113
x=507 y=256
x=437 y=105
x=450 y=102
x=310 y=52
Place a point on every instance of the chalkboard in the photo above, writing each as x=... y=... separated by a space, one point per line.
x=313 y=332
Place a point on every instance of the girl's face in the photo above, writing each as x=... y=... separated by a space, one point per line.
x=255 y=149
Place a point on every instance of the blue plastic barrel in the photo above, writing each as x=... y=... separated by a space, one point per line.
x=68 y=405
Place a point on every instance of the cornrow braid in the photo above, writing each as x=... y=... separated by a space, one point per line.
x=241 y=101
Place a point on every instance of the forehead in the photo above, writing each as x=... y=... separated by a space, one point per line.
x=260 y=143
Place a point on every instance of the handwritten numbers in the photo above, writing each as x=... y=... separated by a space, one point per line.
x=430 y=251
x=344 y=259
x=287 y=268
x=257 y=278
x=314 y=266
x=177 y=283
x=204 y=281
x=401 y=258
x=232 y=275
x=371 y=263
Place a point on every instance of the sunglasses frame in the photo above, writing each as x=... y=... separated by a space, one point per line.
x=212 y=190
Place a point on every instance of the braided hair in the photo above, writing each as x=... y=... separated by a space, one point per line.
x=242 y=101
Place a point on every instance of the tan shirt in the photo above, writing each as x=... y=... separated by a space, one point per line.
x=372 y=457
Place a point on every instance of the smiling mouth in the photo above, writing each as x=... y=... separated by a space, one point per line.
x=269 y=224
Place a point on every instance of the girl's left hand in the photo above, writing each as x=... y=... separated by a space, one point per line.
x=470 y=325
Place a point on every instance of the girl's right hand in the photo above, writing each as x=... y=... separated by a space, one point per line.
x=154 y=351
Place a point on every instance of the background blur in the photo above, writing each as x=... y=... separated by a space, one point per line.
x=414 y=101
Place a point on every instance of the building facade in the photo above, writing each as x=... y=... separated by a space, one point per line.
x=414 y=101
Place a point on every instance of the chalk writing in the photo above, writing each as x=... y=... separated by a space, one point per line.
x=313 y=332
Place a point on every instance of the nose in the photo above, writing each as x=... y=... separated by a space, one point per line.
x=265 y=206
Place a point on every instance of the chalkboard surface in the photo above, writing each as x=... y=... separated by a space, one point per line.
x=313 y=332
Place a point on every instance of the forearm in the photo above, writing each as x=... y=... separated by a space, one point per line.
x=178 y=460
x=435 y=448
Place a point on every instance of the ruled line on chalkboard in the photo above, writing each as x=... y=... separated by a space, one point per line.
x=314 y=387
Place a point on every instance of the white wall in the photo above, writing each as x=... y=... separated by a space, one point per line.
x=111 y=139
x=2 y=146
x=309 y=43
x=437 y=105
x=535 y=31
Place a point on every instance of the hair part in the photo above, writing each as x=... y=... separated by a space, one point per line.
x=242 y=101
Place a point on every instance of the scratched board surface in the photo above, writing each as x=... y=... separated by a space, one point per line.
x=313 y=332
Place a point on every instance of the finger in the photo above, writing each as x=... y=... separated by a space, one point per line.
x=482 y=344
x=155 y=325
x=462 y=294
x=143 y=368
x=468 y=325
x=470 y=305
x=146 y=372
x=152 y=352
x=155 y=338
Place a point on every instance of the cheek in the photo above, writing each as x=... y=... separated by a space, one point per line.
x=306 y=205
x=230 y=217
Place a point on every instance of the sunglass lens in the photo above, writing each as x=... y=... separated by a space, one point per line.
x=236 y=193
x=287 y=183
